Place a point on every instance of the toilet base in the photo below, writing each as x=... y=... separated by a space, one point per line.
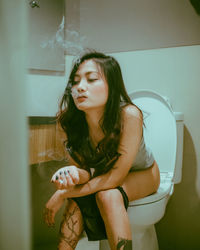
x=143 y=238
x=84 y=244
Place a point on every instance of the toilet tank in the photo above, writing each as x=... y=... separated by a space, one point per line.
x=163 y=131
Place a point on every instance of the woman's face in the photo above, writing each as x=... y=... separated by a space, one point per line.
x=90 y=89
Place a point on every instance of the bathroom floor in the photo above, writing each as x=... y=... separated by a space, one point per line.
x=83 y=245
x=45 y=247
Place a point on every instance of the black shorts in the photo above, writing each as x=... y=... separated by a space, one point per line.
x=93 y=222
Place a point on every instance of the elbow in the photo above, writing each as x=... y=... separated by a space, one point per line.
x=117 y=181
x=110 y=183
x=118 y=176
x=111 y=180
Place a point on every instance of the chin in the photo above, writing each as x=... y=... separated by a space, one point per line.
x=87 y=107
x=82 y=107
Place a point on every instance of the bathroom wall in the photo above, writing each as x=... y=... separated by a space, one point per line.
x=42 y=53
x=44 y=91
x=127 y=25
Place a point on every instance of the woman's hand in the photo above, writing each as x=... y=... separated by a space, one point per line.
x=66 y=177
x=52 y=206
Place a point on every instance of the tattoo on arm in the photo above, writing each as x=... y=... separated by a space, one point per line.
x=124 y=244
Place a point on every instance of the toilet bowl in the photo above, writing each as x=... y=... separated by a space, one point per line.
x=163 y=133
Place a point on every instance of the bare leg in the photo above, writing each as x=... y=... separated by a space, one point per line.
x=113 y=212
x=110 y=202
x=139 y=184
x=71 y=227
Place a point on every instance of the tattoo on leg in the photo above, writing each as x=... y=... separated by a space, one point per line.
x=69 y=228
x=124 y=244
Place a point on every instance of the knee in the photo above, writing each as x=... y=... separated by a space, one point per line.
x=108 y=198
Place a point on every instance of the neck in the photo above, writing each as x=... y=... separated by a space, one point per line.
x=93 y=117
x=95 y=132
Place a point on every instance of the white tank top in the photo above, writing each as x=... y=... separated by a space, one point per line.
x=144 y=158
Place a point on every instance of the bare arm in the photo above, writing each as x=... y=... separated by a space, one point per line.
x=129 y=146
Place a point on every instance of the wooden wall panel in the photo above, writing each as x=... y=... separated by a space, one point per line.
x=60 y=137
x=46 y=143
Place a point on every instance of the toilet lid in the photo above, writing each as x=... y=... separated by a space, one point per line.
x=165 y=188
x=160 y=127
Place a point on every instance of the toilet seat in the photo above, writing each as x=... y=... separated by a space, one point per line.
x=165 y=188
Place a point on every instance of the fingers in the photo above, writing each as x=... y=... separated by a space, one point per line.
x=55 y=177
x=51 y=208
x=63 y=178
x=62 y=181
x=48 y=217
x=74 y=175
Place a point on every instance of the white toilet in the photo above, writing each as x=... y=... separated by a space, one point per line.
x=163 y=133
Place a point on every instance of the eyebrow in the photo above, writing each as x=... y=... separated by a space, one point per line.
x=88 y=73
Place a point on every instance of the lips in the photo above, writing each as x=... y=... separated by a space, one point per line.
x=81 y=98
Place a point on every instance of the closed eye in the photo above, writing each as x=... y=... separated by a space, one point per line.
x=92 y=80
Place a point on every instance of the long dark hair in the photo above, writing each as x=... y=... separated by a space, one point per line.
x=74 y=123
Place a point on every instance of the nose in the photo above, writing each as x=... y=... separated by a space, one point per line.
x=82 y=86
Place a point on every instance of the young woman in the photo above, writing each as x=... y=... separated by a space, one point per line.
x=109 y=163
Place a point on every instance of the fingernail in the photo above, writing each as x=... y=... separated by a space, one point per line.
x=60 y=172
x=56 y=177
x=68 y=171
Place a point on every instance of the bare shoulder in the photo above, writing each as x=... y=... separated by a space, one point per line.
x=132 y=128
x=131 y=112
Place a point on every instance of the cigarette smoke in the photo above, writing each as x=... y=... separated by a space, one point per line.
x=73 y=45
